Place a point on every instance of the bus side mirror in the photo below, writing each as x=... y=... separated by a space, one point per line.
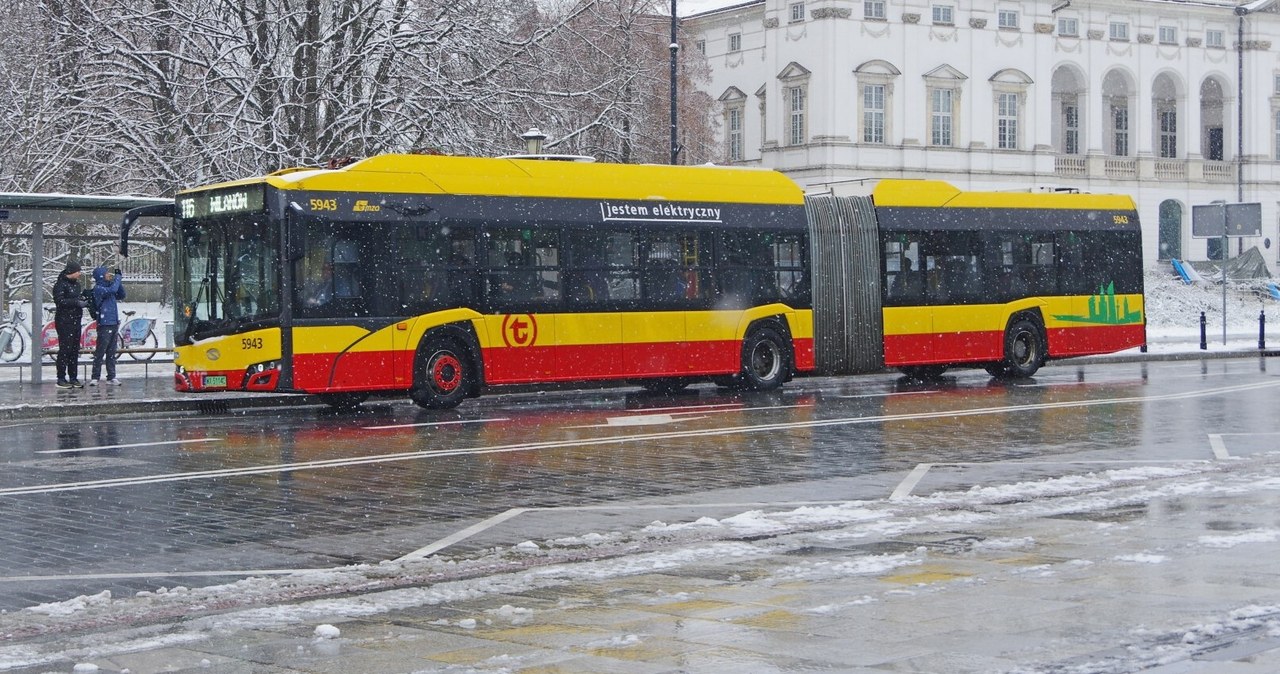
x=295 y=232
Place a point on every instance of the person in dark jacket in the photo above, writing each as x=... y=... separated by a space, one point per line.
x=69 y=306
x=108 y=288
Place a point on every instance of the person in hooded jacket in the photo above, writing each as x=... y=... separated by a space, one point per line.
x=69 y=306
x=108 y=288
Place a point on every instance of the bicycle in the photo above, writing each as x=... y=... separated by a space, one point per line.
x=13 y=335
x=138 y=333
x=133 y=332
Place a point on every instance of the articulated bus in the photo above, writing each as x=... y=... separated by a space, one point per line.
x=440 y=277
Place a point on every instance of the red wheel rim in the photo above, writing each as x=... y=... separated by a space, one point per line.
x=446 y=372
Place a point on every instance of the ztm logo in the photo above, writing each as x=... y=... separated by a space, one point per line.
x=519 y=330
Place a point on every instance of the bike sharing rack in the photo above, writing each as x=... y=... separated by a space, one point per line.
x=69 y=209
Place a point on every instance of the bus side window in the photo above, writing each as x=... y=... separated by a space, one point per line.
x=904 y=276
x=346 y=269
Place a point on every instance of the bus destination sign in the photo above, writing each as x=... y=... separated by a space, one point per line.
x=227 y=201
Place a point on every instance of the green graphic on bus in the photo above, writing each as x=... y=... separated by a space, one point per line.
x=1104 y=309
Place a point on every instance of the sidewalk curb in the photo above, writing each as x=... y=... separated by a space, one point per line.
x=196 y=403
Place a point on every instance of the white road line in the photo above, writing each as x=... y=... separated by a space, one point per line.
x=647 y=419
x=159 y=574
x=434 y=423
x=463 y=534
x=912 y=479
x=694 y=408
x=886 y=395
x=126 y=446
x=610 y=440
x=427 y=551
x=1219 y=447
x=910 y=482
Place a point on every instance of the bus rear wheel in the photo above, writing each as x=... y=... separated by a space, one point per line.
x=766 y=360
x=443 y=375
x=1024 y=350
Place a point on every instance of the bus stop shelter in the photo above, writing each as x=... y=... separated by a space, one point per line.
x=70 y=209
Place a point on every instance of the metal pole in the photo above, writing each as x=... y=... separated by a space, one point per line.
x=37 y=300
x=675 y=48
x=1240 y=12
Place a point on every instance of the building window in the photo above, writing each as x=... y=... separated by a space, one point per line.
x=1120 y=129
x=1007 y=121
x=1276 y=85
x=701 y=46
x=1215 y=39
x=1277 y=128
x=1168 y=35
x=873 y=9
x=1168 y=117
x=873 y=113
x=1070 y=128
x=943 y=15
x=1119 y=31
x=1007 y=18
x=940 y=116
x=735 y=42
x=795 y=114
x=1068 y=27
x=733 y=123
x=797 y=12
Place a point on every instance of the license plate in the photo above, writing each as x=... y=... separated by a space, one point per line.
x=215 y=380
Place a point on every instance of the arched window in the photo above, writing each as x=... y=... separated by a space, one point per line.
x=1170 y=230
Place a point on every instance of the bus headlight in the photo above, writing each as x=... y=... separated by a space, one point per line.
x=263 y=367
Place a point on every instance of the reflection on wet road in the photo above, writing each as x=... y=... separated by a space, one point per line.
x=144 y=502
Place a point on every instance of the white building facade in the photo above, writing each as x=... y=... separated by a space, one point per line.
x=1141 y=97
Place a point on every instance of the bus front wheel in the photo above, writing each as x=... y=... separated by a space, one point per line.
x=442 y=376
x=766 y=360
x=1024 y=350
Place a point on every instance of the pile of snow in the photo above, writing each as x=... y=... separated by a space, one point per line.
x=1173 y=305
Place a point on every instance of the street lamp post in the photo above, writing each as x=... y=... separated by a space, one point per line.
x=675 y=49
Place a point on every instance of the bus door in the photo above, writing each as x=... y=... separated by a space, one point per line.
x=338 y=340
x=908 y=318
x=523 y=294
x=657 y=338
x=600 y=281
x=968 y=323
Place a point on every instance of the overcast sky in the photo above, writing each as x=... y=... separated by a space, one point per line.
x=688 y=7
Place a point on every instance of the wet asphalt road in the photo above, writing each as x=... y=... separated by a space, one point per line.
x=149 y=501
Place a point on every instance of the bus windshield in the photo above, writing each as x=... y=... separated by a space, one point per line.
x=228 y=275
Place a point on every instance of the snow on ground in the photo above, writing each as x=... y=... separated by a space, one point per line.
x=151 y=620
x=1173 y=307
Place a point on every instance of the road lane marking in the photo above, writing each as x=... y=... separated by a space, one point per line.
x=486 y=524
x=886 y=395
x=647 y=419
x=912 y=479
x=159 y=574
x=434 y=423
x=612 y=440
x=692 y=408
x=126 y=446
x=1219 y=447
